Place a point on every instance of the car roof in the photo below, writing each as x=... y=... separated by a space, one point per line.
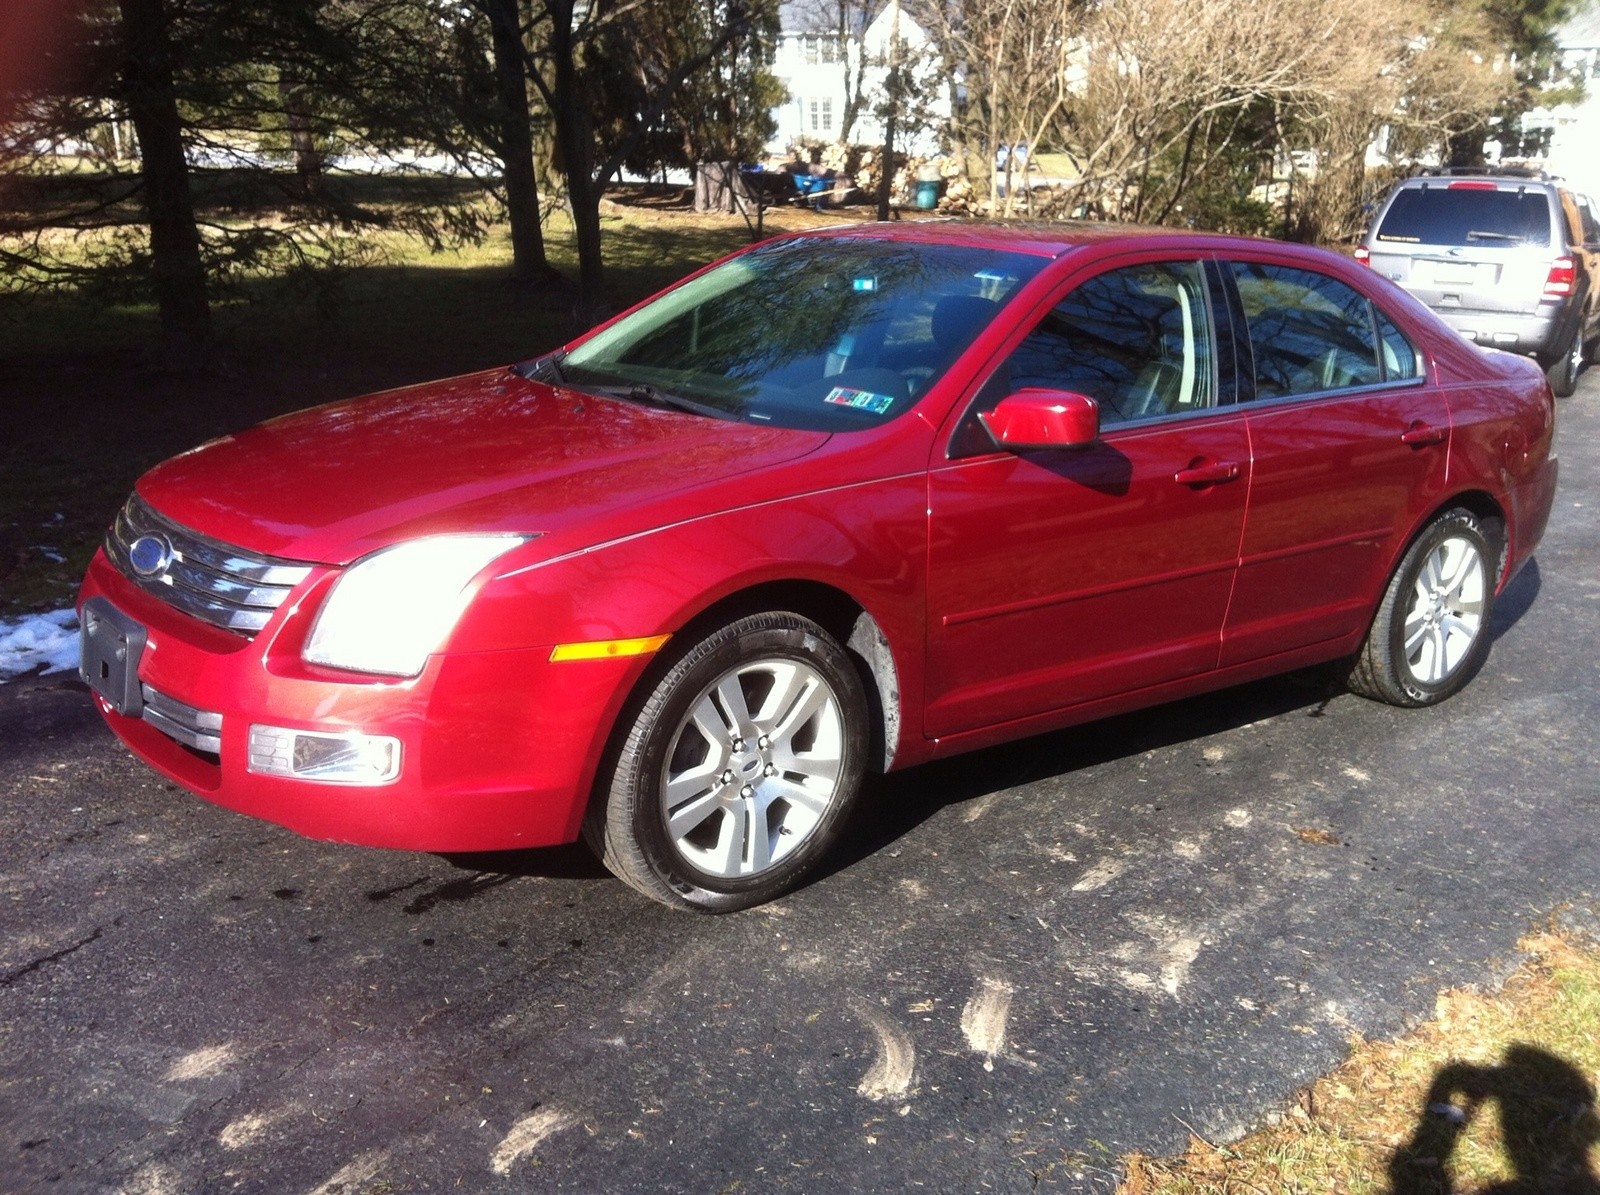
x=1046 y=239
x=1509 y=181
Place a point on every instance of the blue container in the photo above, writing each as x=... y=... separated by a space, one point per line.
x=927 y=194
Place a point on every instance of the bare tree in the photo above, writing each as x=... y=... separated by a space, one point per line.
x=568 y=69
x=1153 y=99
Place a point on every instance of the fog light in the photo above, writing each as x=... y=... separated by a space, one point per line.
x=348 y=758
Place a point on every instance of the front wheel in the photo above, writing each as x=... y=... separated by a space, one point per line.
x=1431 y=631
x=738 y=769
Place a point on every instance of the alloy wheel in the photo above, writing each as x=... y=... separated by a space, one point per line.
x=753 y=767
x=1445 y=617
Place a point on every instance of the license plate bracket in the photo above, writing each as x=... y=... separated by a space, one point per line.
x=112 y=645
x=1454 y=274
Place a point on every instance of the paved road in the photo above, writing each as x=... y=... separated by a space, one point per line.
x=1029 y=961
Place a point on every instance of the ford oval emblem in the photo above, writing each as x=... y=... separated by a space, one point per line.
x=149 y=555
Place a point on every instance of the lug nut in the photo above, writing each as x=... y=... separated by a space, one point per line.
x=726 y=777
x=738 y=744
x=763 y=742
x=772 y=770
x=747 y=791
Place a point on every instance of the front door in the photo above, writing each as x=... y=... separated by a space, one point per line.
x=1058 y=577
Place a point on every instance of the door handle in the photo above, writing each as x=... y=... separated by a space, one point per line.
x=1208 y=473
x=1420 y=435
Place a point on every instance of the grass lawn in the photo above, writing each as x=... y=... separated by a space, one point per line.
x=85 y=412
x=1495 y=1094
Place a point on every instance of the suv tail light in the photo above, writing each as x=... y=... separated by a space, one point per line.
x=1563 y=273
x=1363 y=255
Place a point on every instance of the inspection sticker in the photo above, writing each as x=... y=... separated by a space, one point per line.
x=861 y=400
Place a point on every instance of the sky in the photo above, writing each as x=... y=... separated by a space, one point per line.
x=38 y=642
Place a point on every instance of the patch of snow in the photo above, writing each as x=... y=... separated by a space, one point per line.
x=47 y=641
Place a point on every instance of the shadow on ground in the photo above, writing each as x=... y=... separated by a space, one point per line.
x=1547 y=1126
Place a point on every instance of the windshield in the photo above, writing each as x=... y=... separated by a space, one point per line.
x=821 y=334
x=1458 y=215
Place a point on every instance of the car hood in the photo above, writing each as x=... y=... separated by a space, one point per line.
x=487 y=452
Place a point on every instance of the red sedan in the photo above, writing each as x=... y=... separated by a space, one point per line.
x=841 y=503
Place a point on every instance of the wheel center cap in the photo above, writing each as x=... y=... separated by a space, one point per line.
x=751 y=766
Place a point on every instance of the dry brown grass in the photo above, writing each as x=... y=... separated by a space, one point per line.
x=1495 y=1094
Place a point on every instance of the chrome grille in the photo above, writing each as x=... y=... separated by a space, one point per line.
x=225 y=586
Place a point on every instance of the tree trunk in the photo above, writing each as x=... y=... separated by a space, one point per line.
x=719 y=187
x=528 y=261
x=893 y=89
x=1465 y=149
x=886 y=167
x=176 y=268
x=575 y=142
x=302 y=142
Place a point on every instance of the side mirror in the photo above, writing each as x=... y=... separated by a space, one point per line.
x=1037 y=418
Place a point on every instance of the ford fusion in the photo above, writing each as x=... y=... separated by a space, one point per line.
x=839 y=504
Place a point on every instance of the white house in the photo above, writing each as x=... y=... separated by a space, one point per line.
x=820 y=67
x=1574 y=151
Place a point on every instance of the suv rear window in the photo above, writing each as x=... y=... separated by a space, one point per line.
x=1447 y=215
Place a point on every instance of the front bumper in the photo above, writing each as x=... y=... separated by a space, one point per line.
x=498 y=748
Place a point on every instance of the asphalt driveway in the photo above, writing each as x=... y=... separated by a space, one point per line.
x=1026 y=962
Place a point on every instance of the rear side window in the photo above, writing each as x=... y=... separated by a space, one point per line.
x=1309 y=332
x=1456 y=215
x=1400 y=357
x=1585 y=230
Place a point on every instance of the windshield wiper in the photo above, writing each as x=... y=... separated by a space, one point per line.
x=642 y=392
x=1484 y=235
x=542 y=369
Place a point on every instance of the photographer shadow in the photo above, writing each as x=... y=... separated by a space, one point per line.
x=1548 y=1124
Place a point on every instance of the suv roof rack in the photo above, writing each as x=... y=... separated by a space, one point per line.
x=1502 y=170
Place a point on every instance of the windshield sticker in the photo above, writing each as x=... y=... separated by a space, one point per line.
x=861 y=400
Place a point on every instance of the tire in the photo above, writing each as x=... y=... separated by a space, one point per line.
x=1563 y=371
x=738 y=770
x=1431 y=631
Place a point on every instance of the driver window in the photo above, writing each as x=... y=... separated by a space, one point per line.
x=1137 y=340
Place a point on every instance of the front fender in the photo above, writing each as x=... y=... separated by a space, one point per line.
x=868 y=541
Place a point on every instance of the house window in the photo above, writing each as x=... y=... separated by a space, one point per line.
x=822 y=116
x=819 y=48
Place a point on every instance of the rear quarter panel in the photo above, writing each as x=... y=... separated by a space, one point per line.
x=1504 y=441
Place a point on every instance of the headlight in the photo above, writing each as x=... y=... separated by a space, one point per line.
x=391 y=609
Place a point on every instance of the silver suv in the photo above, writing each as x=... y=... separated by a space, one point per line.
x=1509 y=259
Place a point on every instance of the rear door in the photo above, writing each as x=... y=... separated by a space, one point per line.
x=1584 y=222
x=1349 y=447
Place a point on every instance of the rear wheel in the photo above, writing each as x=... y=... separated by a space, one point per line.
x=1431 y=631
x=1563 y=371
x=738 y=770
